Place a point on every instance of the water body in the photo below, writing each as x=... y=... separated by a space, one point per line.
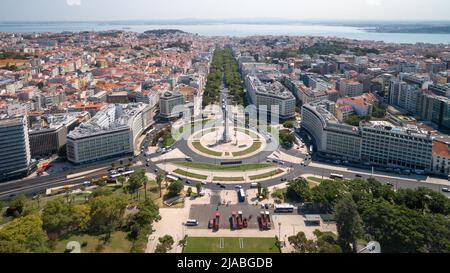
x=238 y=30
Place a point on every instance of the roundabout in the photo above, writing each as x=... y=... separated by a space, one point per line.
x=242 y=143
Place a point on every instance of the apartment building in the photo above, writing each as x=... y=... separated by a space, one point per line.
x=269 y=95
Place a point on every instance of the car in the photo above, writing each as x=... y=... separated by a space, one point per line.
x=204 y=183
x=156 y=170
x=147 y=160
x=147 y=165
x=238 y=187
x=266 y=206
x=389 y=184
x=218 y=184
x=188 y=159
x=358 y=175
x=188 y=182
x=446 y=190
x=283 y=179
x=86 y=182
x=223 y=186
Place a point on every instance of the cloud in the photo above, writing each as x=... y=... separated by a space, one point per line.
x=374 y=2
x=73 y=2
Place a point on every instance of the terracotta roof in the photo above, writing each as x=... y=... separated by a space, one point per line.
x=441 y=149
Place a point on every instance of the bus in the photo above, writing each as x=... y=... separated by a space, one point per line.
x=336 y=176
x=241 y=195
x=284 y=208
x=191 y=222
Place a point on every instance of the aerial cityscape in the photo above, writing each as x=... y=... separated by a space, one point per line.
x=150 y=137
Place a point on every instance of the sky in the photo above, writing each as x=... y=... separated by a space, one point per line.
x=101 y=10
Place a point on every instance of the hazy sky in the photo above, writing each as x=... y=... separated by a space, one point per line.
x=72 y=10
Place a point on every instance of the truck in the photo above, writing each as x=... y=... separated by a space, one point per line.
x=233 y=221
x=216 y=221
x=240 y=223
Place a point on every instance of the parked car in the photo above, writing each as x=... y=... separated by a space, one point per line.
x=445 y=189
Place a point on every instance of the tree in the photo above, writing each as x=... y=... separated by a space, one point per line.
x=287 y=139
x=80 y=217
x=142 y=220
x=175 y=188
x=423 y=199
x=327 y=242
x=327 y=193
x=259 y=187
x=121 y=180
x=165 y=244
x=288 y=124
x=301 y=244
x=17 y=207
x=136 y=181
x=24 y=234
x=198 y=186
x=159 y=180
x=348 y=222
x=265 y=192
x=189 y=191
x=299 y=190
x=56 y=217
x=106 y=213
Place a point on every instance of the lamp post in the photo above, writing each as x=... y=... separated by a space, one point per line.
x=279 y=230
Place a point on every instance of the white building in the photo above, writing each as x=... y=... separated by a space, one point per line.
x=169 y=104
x=270 y=95
x=350 y=88
x=113 y=131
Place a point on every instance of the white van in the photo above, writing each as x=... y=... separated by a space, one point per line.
x=191 y=222
x=253 y=185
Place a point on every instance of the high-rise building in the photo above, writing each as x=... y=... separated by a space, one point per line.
x=350 y=88
x=170 y=104
x=269 y=95
x=15 y=155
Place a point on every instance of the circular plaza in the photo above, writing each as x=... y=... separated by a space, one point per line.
x=238 y=143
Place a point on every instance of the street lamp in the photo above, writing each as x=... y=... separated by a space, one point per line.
x=279 y=230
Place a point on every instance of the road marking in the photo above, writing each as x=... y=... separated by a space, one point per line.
x=221 y=243
x=241 y=243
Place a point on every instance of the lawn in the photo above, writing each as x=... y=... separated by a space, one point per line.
x=255 y=146
x=117 y=244
x=230 y=245
x=197 y=145
x=204 y=132
x=215 y=167
x=228 y=179
x=265 y=175
x=189 y=174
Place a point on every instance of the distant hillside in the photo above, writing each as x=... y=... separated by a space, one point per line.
x=160 y=32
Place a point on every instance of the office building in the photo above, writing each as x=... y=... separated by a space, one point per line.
x=15 y=155
x=269 y=95
x=112 y=132
x=171 y=104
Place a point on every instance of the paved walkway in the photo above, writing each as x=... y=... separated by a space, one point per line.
x=172 y=223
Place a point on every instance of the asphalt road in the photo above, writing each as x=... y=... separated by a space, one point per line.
x=31 y=186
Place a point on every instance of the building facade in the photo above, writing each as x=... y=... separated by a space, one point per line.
x=15 y=155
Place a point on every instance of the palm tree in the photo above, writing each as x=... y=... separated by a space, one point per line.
x=159 y=180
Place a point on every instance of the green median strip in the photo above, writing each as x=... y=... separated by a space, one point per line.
x=255 y=146
x=197 y=145
x=189 y=174
x=216 y=167
x=266 y=175
x=228 y=179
